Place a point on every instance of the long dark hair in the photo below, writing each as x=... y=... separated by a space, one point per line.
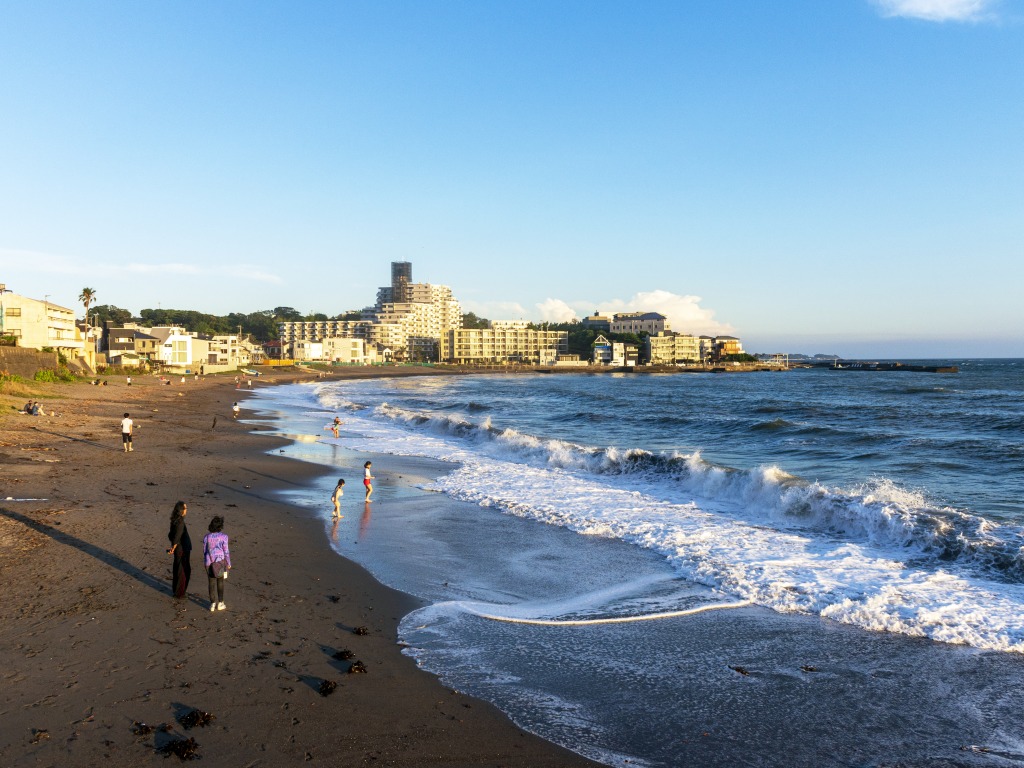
x=179 y=512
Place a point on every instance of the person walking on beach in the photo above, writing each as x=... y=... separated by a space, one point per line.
x=181 y=548
x=334 y=426
x=127 y=427
x=339 y=491
x=217 y=559
x=368 y=481
x=235 y=410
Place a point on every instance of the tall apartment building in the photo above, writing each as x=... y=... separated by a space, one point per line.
x=506 y=342
x=415 y=328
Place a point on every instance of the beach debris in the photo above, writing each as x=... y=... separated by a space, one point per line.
x=140 y=728
x=186 y=749
x=309 y=756
x=343 y=655
x=808 y=668
x=741 y=670
x=39 y=734
x=150 y=483
x=360 y=631
x=327 y=687
x=333 y=598
x=214 y=423
x=357 y=667
x=196 y=717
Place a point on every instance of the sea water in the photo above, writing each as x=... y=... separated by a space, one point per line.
x=739 y=569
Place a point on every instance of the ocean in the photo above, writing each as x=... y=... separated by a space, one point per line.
x=810 y=567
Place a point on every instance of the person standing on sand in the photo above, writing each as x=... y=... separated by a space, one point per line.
x=181 y=548
x=235 y=410
x=368 y=481
x=339 y=491
x=127 y=427
x=217 y=559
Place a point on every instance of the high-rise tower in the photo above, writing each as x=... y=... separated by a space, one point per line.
x=401 y=278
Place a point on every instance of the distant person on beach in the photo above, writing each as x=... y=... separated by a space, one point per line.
x=181 y=548
x=129 y=381
x=235 y=410
x=28 y=407
x=127 y=426
x=217 y=559
x=368 y=480
x=339 y=491
x=334 y=426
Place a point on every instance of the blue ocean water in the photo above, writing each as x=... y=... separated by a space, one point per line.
x=641 y=553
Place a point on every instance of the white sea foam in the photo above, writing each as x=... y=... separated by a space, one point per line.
x=879 y=557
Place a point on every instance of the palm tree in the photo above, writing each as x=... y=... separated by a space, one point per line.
x=87 y=297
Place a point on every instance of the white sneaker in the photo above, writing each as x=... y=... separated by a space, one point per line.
x=221 y=606
x=213 y=607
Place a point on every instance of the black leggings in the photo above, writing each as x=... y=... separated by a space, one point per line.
x=216 y=587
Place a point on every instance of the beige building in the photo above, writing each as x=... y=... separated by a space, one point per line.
x=40 y=324
x=668 y=348
x=639 y=322
x=506 y=342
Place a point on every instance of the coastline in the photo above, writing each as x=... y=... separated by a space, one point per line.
x=95 y=643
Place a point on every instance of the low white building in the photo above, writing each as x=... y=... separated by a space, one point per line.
x=175 y=345
x=349 y=351
x=307 y=351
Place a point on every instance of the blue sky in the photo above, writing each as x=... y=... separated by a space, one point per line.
x=842 y=176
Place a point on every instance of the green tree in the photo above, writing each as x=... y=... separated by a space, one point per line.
x=470 y=320
x=104 y=312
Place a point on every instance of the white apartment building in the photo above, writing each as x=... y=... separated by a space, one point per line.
x=307 y=351
x=668 y=348
x=37 y=324
x=639 y=322
x=349 y=351
x=506 y=342
x=175 y=345
x=317 y=330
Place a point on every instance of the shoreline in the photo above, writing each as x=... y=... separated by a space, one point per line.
x=96 y=643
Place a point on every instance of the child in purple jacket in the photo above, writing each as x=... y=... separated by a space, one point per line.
x=217 y=559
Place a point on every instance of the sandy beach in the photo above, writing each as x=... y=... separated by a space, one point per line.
x=102 y=666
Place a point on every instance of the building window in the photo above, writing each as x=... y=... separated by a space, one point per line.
x=13 y=312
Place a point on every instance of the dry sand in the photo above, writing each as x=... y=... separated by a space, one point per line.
x=94 y=645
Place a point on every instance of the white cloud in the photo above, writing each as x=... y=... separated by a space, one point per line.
x=555 y=311
x=938 y=10
x=684 y=313
x=496 y=310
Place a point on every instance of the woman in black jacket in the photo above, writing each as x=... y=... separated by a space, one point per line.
x=181 y=548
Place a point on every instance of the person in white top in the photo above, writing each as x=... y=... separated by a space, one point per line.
x=368 y=481
x=127 y=426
